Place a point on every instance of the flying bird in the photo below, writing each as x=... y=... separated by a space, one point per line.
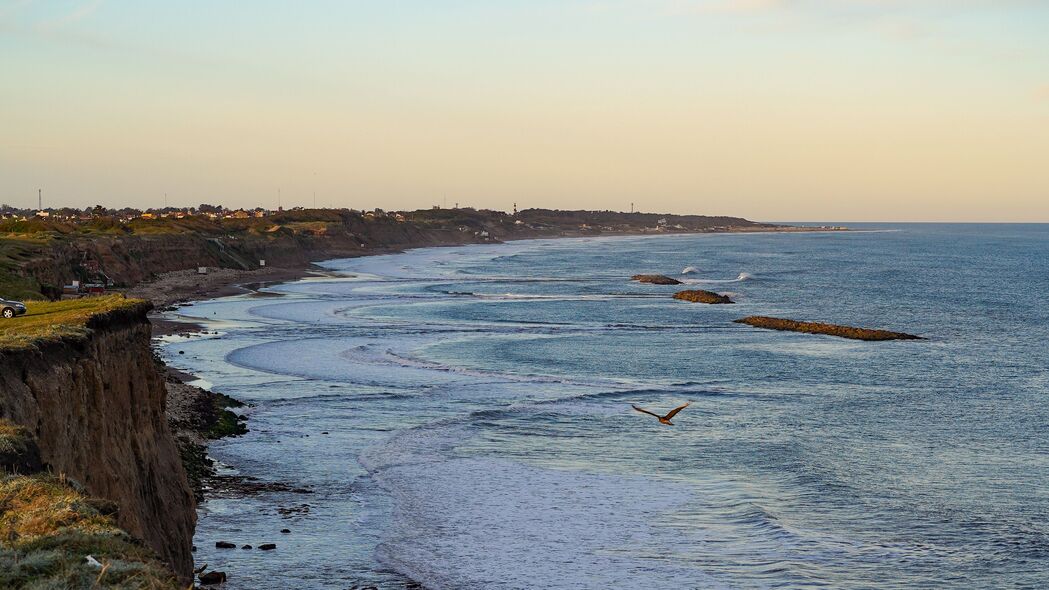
x=663 y=419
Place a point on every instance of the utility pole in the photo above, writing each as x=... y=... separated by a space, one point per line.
x=631 y=207
x=39 y=199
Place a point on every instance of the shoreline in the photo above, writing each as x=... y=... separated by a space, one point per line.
x=198 y=416
x=171 y=289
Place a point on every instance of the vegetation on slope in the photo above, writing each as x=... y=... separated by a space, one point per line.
x=13 y=253
x=55 y=320
x=48 y=529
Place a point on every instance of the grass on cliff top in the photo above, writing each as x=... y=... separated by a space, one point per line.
x=54 y=320
x=47 y=529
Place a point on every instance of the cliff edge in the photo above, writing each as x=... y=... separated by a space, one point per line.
x=80 y=377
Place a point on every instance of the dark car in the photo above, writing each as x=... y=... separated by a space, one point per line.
x=10 y=309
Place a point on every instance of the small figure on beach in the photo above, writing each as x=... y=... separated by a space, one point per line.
x=663 y=419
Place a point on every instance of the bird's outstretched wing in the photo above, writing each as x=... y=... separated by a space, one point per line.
x=674 y=412
x=644 y=411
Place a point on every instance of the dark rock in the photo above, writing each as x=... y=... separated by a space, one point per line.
x=285 y=531
x=701 y=296
x=225 y=545
x=293 y=511
x=182 y=352
x=655 y=279
x=212 y=578
x=828 y=329
x=246 y=547
x=267 y=546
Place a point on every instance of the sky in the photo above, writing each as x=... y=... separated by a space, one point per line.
x=775 y=110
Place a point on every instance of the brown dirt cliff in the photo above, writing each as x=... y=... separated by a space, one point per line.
x=94 y=400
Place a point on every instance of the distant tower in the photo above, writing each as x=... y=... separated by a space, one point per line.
x=39 y=199
x=515 y=208
x=631 y=207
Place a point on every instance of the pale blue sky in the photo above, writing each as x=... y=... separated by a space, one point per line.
x=772 y=109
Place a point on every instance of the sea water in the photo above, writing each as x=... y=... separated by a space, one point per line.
x=462 y=416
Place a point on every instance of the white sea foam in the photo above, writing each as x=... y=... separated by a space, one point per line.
x=743 y=276
x=519 y=526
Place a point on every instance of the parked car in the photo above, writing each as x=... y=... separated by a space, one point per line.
x=10 y=309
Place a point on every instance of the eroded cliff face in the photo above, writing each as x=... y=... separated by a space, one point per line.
x=96 y=407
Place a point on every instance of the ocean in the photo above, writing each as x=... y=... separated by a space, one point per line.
x=462 y=416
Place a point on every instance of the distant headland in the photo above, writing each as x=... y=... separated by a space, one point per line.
x=45 y=253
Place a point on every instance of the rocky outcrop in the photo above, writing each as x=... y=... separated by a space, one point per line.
x=822 y=328
x=701 y=296
x=95 y=405
x=655 y=279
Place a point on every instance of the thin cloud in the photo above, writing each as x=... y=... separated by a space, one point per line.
x=72 y=17
x=724 y=6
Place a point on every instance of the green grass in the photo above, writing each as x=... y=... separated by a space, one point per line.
x=46 y=531
x=55 y=320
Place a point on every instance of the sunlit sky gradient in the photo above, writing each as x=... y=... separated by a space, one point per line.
x=770 y=109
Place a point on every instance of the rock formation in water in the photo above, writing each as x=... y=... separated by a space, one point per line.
x=655 y=279
x=822 y=328
x=701 y=296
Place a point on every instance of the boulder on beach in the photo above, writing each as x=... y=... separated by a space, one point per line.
x=701 y=296
x=822 y=328
x=212 y=578
x=655 y=279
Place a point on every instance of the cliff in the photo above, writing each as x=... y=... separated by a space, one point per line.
x=38 y=256
x=80 y=377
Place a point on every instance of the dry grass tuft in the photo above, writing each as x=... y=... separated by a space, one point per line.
x=47 y=529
